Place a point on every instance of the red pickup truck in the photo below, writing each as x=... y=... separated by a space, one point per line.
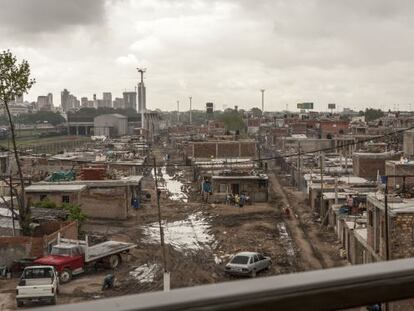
x=72 y=257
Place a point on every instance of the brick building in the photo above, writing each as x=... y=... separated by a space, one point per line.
x=224 y=149
x=107 y=199
x=401 y=226
x=333 y=128
x=400 y=168
x=254 y=186
x=368 y=165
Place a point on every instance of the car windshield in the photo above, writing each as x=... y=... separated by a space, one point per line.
x=37 y=273
x=60 y=251
x=240 y=260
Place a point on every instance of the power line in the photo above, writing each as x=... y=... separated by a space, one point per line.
x=251 y=161
x=304 y=153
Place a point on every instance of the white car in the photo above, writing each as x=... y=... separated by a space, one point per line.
x=37 y=284
x=247 y=263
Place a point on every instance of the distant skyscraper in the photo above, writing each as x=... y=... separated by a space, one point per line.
x=50 y=100
x=42 y=103
x=130 y=99
x=142 y=97
x=64 y=100
x=107 y=99
x=45 y=103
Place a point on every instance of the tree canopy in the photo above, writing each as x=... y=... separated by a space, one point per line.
x=14 y=82
x=233 y=120
x=373 y=114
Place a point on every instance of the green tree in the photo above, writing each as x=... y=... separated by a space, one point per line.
x=14 y=82
x=373 y=114
x=74 y=210
x=256 y=112
x=233 y=120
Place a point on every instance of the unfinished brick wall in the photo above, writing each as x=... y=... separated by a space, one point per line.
x=401 y=236
x=227 y=150
x=248 y=149
x=67 y=230
x=367 y=165
x=108 y=203
x=204 y=150
x=14 y=248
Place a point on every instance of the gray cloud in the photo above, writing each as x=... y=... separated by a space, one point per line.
x=355 y=53
x=38 y=16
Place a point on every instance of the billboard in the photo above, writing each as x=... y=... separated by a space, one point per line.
x=331 y=106
x=306 y=106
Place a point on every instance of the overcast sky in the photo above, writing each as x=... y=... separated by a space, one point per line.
x=355 y=53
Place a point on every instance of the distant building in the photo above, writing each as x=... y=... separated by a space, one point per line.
x=69 y=102
x=110 y=125
x=107 y=99
x=100 y=103
x=130 y=100
x=19 y=100
x=84 y=102
x=64 y=99
x=44 y=104
x=18 y=109
x=50 y=100
x=119 y=103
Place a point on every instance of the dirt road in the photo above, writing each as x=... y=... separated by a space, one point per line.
x=318 y=246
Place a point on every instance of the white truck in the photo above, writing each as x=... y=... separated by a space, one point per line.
x=71 y=257
x=37 y=284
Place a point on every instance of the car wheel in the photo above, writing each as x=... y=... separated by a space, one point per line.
x=53 y=300
x=253 y=273
x=269 y=266
x=65 y=276
x=19 y=303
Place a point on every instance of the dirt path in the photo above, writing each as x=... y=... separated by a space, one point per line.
x=319 y=245
x=310 y=259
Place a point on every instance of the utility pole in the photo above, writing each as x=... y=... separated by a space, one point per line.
x=299 y=167
x=191 y=112
x=164 y=256
x=321 y=164
x=387 y=246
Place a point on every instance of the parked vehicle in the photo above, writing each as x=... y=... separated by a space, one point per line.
x=247 y=263
x=37 y=284
x=72 y=257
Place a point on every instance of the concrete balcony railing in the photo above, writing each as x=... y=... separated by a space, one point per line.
x=330 y=289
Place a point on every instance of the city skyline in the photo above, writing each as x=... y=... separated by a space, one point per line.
x=355 y=55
